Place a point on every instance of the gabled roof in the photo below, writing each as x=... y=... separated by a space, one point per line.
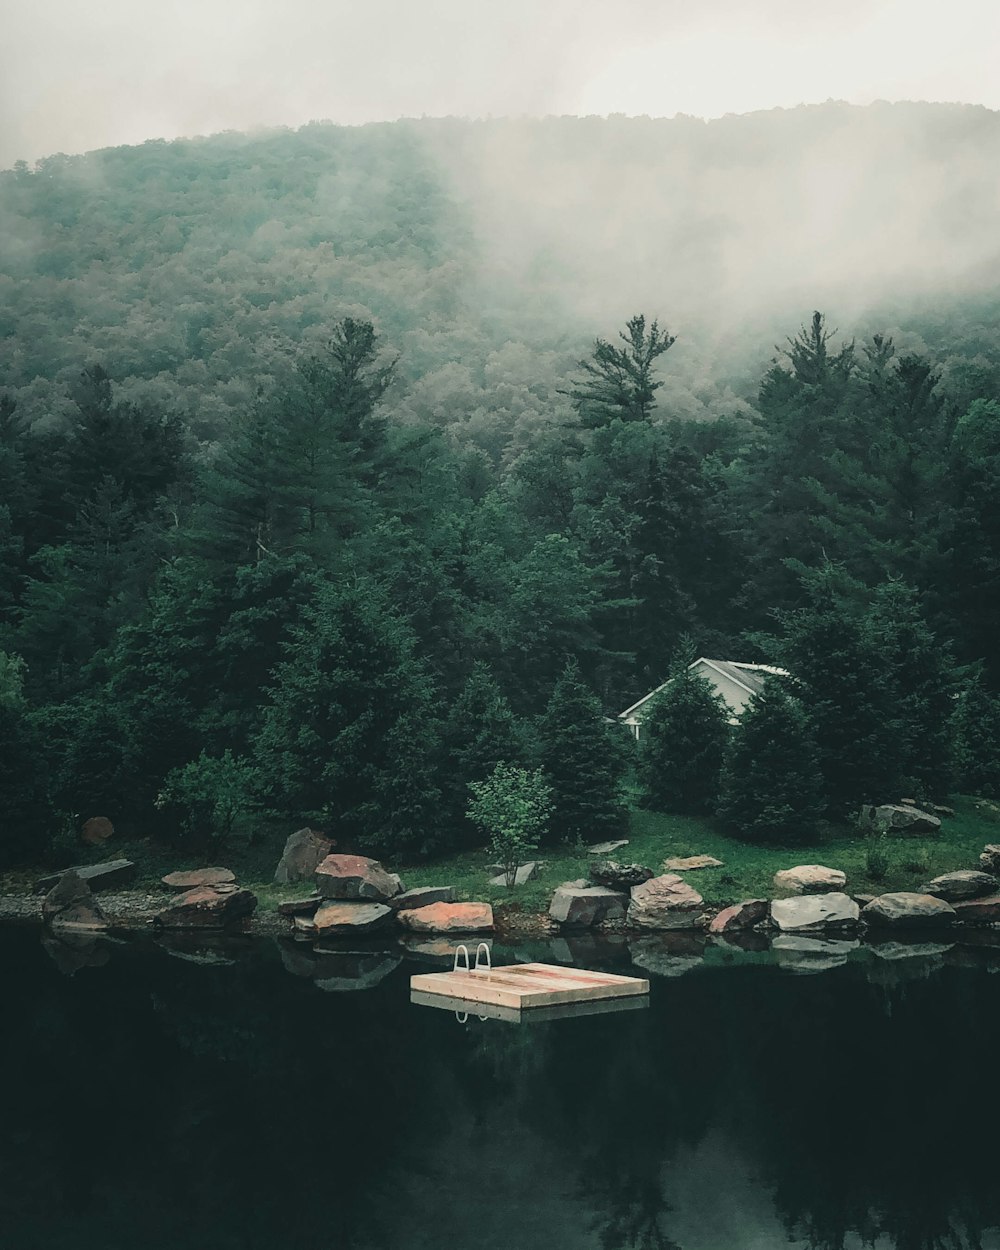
x=750 y=677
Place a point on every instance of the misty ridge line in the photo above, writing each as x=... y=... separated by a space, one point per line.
x=491 y=252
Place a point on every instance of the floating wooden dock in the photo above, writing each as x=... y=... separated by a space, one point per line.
x=534 y=1015
x=521 y=987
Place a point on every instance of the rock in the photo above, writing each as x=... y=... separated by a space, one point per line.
x=397 y=881
x=350 y=916
x=304 y=851
x=304 y=927
x=615 y=876
x=799 y=954
x=207 y=907
x=582 y=908
x=907 y=910
x=908 y=802
x=524 y=874
x=355 y=877
x=198 y=876
x=691 y=862
x=939 y=809
x=449 y=918
x=113 y=872
x=863 y=900
x=989 y=861
x=71 y=905
x=814 y=911
x=953 y=887
x=299 y=906
x=739 y=916
x=901 y=818
x=809 y=879
x=96 y=830
x=581 y=883
x=666 y=902
x=607 y=848
x=423 y=896
x=979 y=910
x=668 y=954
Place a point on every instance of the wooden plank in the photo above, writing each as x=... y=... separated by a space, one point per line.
x=528 y=985
x=517 y=1015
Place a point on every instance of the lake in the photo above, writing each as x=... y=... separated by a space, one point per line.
x=241 y=1096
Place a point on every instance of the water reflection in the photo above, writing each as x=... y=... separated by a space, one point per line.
x=230 y=1094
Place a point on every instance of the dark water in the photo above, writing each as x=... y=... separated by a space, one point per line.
x=161 y=1101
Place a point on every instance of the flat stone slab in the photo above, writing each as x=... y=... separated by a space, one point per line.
x=955 y=887
x=688 y=863
x=586 y=906
x=979 y=910
x=114 y=872
x=448 y=918
x=904 y=909
x=198 y=876
x=423 y=896
x=299 y=906
x=525 y=873
x=809 y=879
x=350 y=916
x=814 y=911
x=902 y=818
x=607 y=848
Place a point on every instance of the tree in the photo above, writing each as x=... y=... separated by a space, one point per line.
x=618 y=382
x=584 y=759
x=771 y=785
x=684 y=737
x=975 y=728
x=214 y=796
x=22 y=770
x=512 y=807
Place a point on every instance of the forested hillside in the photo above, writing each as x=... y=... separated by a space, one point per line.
x=323 y=453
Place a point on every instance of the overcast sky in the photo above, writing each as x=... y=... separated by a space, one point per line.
x=82 y=74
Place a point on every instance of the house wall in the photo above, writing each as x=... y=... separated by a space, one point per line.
x=735 y=696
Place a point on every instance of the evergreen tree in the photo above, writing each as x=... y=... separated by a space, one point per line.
x=683 y=740
x=975 y=728
x=25 y=829
x=771 y=786
x=618 y=382
x=584 y=759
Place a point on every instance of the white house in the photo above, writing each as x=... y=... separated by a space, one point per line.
x=735 y=682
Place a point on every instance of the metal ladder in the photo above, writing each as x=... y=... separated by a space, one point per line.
x=486 y=966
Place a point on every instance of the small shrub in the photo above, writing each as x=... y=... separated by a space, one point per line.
x=877 y=857
x=918 y=861
x=512 y=807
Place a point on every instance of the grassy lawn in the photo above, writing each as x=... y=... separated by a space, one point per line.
x=747 y=870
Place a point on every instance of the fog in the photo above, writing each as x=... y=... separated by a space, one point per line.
x=82 y=76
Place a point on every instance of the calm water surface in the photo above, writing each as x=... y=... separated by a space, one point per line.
x=242 y=1097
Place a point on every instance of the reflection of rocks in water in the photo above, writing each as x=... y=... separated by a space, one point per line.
x=353 y=970
x=440 y=951
x=747 y=940
x=297 y=958
x=198 y=948
x=72 y=951
x=910 y=950
x=669 y=954
x=797 y=953
x=587 y=950
x=895 y=963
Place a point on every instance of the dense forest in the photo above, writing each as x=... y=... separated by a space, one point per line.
x=337 y=465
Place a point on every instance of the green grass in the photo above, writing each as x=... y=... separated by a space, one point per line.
x=747 y=870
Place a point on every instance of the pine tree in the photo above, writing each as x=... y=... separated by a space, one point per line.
x=584 y=759
x=771 y=787
x=684 y=737
x=22 y=771
x=975 y=728
x=618 y=382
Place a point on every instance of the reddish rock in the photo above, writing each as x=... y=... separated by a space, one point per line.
x=979 y=910
x=449 y=918
x=96 y=830
x=350 y=916
x=304 y=851
x=198 y=876
x=207 y=907
x=666 y=902
x=355 y=877
x=739 y=916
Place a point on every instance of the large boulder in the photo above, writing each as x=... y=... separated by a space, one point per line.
x=813 y=912
x=979 y=910
x=96 y=830
x=615 y=876
x=207 y=907
x=581 y=908
x=905 y=910
x=198 y=876
x=809 y=879
x=905 y=819
x=112 y=873
x=449 y=918
x=336 y=917
x=989 y=860
x=355 y=877
x=423 y=896
x=954 y=887
x=739 y=916
x=666 y=902
x=304 y=851
x=71 y=905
